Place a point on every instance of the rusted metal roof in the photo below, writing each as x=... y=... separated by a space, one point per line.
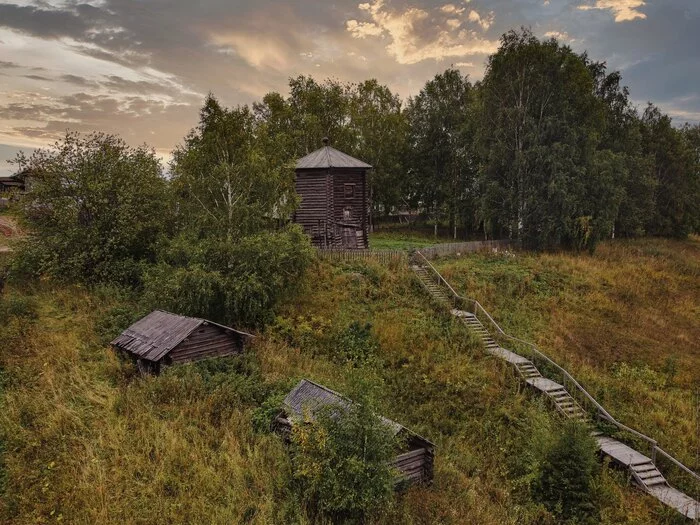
x=153 y=336
x=311 y=396
x=328 y=157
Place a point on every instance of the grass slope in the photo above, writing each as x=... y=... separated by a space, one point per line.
x=625 y=321
x=86 y=440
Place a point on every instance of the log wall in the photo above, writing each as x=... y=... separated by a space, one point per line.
x=206 y=341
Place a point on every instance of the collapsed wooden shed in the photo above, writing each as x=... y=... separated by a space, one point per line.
x=334 y=209
x=415 y=459
x=163 y=338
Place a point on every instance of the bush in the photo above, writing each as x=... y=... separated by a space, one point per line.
x=229 y=283
x=341 y=461
x=356 y=344
x=566 y=475
x=97 y=210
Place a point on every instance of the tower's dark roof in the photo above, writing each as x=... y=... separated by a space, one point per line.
x=328 y=157
x=159 y=332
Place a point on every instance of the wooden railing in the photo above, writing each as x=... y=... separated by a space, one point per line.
x=534 y=354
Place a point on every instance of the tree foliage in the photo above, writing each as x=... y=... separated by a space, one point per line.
x=442 y=157
x=341 y=459
x=566 y=475
x=97 y=209
x=232 y=258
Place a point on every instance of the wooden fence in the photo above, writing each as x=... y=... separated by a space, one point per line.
x=460 y=248
x=381 y=256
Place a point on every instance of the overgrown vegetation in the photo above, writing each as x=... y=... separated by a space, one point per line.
x=93 y=442
x=85 y=438
x=341 y=456
x=566 y=475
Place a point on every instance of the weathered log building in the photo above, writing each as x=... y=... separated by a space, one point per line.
x=414 y=460
x=334 y=209
x=162 y=338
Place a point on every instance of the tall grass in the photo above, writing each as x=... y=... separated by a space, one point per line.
x=87 y=440
x=626 y=321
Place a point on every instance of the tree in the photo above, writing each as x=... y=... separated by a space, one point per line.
x=542 y=173
x=233 y=256
x=565 y=478
x=676 y=173
x=441 y=142
x=97 y=209
x=226 y=186
x=341 y=459
x=379 y=128
x=622 y=136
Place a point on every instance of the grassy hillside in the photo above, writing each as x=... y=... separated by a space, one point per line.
x=86 y=440
x=626 y=321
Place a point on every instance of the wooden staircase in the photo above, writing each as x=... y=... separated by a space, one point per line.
x=642 y=468
x=436 y=291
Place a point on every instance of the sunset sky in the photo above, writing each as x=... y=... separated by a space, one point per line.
x=142 y=68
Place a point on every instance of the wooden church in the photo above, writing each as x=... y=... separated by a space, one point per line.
x=334 y=209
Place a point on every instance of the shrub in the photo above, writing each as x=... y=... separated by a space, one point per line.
x=356 y=343
x=566 y=475
x=341 y=461
x=229 y=283
x=97 y=210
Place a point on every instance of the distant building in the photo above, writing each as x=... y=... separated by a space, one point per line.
x=334 y=209
x=414 y=460
x=162 y=338
x=18 y=182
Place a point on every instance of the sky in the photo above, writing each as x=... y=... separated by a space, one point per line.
x=141 y=68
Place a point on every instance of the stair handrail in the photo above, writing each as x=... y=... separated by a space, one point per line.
x=605 y=414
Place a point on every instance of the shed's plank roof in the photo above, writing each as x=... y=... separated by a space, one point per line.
x=328 y=157
x=311 y=396
x=153 y=336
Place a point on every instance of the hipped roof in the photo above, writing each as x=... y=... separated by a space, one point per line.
x=153 y=336
x=328 y=157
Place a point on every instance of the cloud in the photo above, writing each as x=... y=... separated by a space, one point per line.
x=558 y=35
x=414 y=34
x=140 y=69
x=363 y=29
x=451 y=8
x=484 y=22
x=624 y=10
x=38 y=77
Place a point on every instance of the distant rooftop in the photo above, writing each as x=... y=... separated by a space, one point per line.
x=328 y=157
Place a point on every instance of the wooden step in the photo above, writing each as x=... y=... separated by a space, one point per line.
x=649 y=474
x=658 y=480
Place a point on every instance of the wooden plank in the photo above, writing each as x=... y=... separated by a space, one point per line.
x=676 y=499
x=544 y=384
x=410 y=454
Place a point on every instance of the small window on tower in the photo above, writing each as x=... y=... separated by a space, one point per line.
x=346 y=214
x=349 y=191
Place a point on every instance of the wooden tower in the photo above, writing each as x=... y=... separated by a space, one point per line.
x=334 y=209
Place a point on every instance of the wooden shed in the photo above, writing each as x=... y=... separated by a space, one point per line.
x=414 y=460
x=12 y=183
x=162 y=338
x=334 y=209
